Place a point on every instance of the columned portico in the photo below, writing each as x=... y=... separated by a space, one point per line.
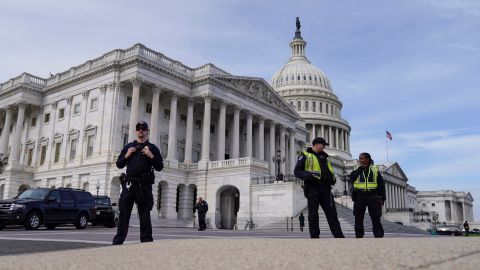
x=236 y=132
x=261 y=138
x=282 y=147
x=249 y=134
x=272 y=148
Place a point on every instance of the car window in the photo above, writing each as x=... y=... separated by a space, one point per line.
x=102 y=200
x=37 y=194
x=55 y=195
x=84 y=197
x=67 y=196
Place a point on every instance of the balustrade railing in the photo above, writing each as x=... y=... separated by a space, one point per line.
x=270 y=179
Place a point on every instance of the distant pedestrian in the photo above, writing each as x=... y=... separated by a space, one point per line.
x=301 y=219
x=466 y=227
x=202 y=207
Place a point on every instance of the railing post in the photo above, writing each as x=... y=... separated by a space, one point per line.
x=291 y=222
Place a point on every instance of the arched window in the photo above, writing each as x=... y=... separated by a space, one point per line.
x=299 y=105
x=314 y=106
x=321 y=107
x=306 y=106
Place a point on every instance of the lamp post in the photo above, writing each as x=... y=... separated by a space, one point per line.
x=278 y=159
x=344 y=178
x=98 y=186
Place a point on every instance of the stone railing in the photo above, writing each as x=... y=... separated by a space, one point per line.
x=24 y=78
x=188 y=166
x=245 y=161
x=270 y=179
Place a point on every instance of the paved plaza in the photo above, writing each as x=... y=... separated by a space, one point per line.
x=176 y=248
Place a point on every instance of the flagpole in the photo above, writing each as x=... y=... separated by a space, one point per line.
x=386 y=141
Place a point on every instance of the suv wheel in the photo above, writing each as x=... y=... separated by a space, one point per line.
x=33 y=221
x=51 y=226
x=81 y=221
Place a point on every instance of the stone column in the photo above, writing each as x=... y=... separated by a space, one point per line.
x=337 y=144
x=312 y=133
x=221 y=131
x=236 y=133
x=172 y=129
x=154 y=117
x=330 y=135
x=272 y=148
x=206 y=128
x=282 y=146
x=18 y=133
x=322 y=131
x=261 y=138
x=6 y=129
x=292 y=154
x=249 y=152
x=342 y=141
x=136 y=83
x=189 y=135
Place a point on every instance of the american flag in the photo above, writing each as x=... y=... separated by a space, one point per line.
x=389 y=135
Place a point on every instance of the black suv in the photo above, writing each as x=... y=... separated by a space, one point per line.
x=51 y=207
x=105 y=212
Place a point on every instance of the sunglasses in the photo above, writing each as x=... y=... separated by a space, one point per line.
x=141 y=128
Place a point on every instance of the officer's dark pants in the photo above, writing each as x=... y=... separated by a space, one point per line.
x=323 y=197
x=201 y=221
x=125 y=204
x=362 y=201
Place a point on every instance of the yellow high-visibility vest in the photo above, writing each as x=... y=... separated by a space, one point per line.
x=364 y=183
x=313 y=166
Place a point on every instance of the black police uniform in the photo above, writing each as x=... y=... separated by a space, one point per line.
x=202 y=208
x=140 y=177
x=372 y=199
x=319 y=193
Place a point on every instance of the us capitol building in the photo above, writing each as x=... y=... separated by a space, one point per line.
x=217 y=132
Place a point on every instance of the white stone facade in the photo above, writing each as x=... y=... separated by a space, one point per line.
x=453 y=208
x=216 y=131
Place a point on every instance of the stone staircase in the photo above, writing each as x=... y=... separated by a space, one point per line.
x=347 y=222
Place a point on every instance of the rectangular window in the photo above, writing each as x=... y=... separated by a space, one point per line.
x=76 y=109
x=433 y=204
x=321 y=107
x=29 y=157
x=58 y=147
x=90 y=141
x=73 y=149
x=314 y=106
x=34 y=122
x=129 y=102
x=164 y=150
x=46 y=119
x=183 y=119
x=326 y=108
x=148 y=108
x=166 y=114
x=226 y=133
x=125 y=139
x=93 y=104
x=331 y=108
x=43 y=154
x=212 y=129
x=61 y=113
x=198 y=123
x=196 y=156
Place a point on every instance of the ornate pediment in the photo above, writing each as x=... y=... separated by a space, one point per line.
x=396 y=171
x=257 y=89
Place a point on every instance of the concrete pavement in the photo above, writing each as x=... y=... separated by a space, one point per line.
x=261 y=253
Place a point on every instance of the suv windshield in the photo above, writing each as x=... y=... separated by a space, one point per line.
x=37 y=194
x=102 y=200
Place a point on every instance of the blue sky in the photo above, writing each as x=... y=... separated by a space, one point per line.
x=409 y=66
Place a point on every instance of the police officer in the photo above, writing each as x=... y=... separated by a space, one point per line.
x=316 y=170
x=368 y=191
x=202 y=207
x=139 y=156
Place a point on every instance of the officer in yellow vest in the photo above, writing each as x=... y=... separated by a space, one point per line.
x=316 y=170
x=368 y=191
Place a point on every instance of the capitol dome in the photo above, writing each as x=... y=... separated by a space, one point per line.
x=308 y=90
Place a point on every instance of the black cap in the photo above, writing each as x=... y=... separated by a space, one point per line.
x=142 y=124
x=319 y=140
